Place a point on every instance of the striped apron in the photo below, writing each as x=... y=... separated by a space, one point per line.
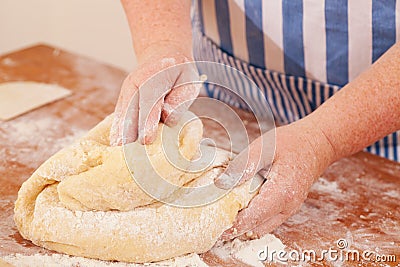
x=298 y=52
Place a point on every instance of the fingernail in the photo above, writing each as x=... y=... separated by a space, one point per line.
x=225 y=237
x=256 y=183
x=117 y=141
x=147 y=140
x=224 y=181
x=229 y=234
x=141 y=136
x=113 y=143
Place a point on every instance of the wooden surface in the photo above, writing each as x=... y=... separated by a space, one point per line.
x=356 y=199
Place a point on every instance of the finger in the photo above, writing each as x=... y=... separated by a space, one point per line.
x=152 y=94
x=148 y=125
x=269 y=202
x=129 y=123
x=269 y=225
x=115 y=137
x=185 y=90
x=258 y=155
x=126 y=108
x=178 y=102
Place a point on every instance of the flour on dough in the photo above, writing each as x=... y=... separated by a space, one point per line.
x=83 y=202
x=39 y=260
x=106 y=183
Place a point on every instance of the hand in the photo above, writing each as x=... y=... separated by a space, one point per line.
x=157 y=100
x=302 y=154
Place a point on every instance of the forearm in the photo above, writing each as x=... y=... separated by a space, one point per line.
x=157 y=23
x=365 y=110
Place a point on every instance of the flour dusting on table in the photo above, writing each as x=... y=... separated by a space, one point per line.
x=39 y=260
x=244 y=251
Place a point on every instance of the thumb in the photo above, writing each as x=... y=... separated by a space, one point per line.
x=185 y=90
x=257 y=157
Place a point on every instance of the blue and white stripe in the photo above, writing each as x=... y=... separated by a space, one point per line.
x=298 y=52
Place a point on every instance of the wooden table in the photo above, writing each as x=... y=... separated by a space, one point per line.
x=356 y=199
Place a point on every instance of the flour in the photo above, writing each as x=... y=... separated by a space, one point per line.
x=248 y=251
x=29 y=131
x=9 y=62
x=108 y=223
x=393 y=194
x=323 y=185
x=89 y=73
x=39 y=260
x=245 y=251
x=56 y=52
x=35 y=136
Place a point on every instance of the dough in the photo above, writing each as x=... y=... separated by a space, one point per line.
x=83 y=201
x=99 y=188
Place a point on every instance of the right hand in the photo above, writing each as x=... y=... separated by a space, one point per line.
x=302 y=153
x=147 y=108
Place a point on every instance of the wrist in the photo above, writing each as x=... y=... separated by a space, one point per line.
x=164 y=48
x=322 y=149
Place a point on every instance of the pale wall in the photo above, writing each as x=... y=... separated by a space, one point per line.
x=95 y=28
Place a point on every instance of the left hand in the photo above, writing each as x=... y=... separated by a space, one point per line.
x=302 y=154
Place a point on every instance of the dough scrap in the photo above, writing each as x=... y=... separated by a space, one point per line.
x=19 y=97
x=83 y=202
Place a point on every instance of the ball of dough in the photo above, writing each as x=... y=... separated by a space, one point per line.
x=83 y=201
